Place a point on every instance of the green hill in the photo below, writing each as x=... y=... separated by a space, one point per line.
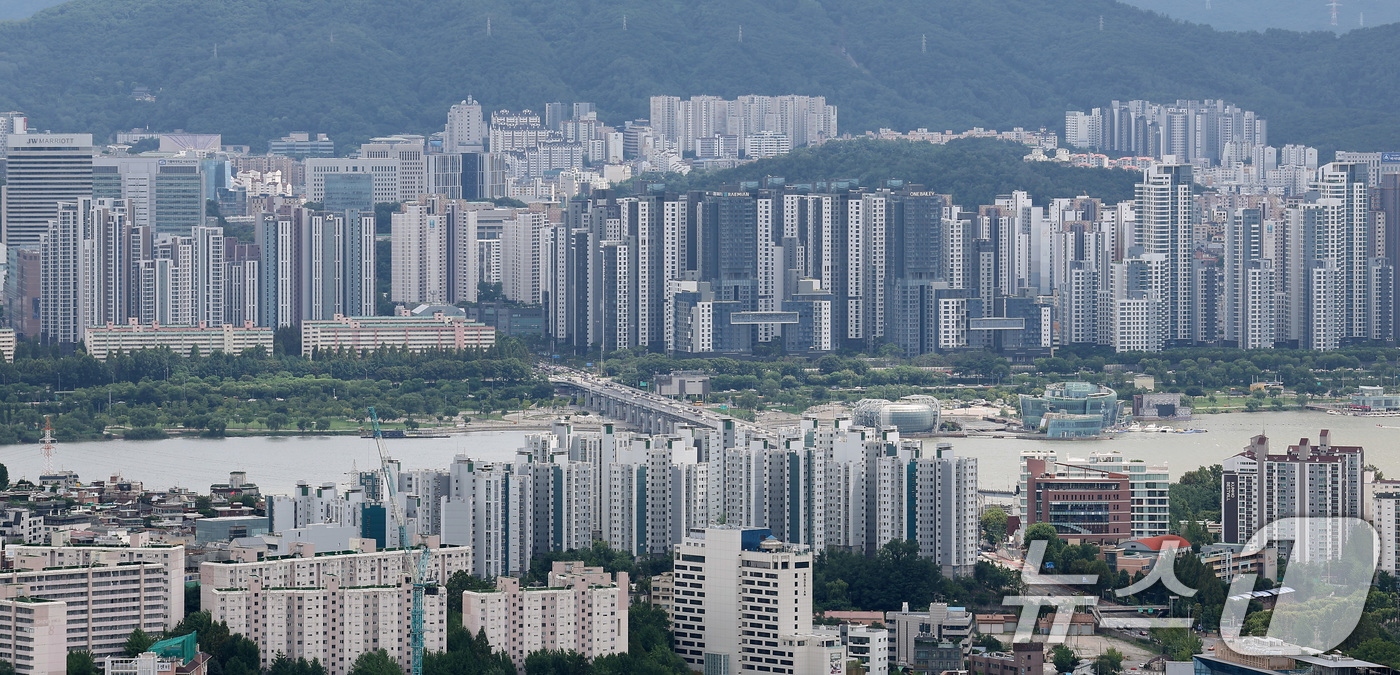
x=972 y=171
x=255 y=69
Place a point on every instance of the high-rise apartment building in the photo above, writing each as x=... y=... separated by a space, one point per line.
x=313 y=266
x=1166 y=226
x=105 y=601
x=41 y=171
x=580 y=609
x=1316 y=482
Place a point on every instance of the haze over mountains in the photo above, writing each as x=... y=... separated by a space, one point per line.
x=1299 y=15
x=256 y=69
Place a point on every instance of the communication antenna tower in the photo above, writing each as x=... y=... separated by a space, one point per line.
x=624 y=22
x=488 y=26
x=1100 y=22
x=1361 y=19
x=741 y=32
x=1333 y=5
x=924 y=48
x=48 y=446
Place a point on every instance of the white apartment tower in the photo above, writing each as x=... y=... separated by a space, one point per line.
x=1166 y=226
x=418 y=237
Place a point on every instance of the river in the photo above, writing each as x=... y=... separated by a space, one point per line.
x=275 y=464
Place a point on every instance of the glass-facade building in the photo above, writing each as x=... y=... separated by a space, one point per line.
x=1078 y=401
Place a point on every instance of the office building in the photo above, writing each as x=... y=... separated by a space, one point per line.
x=301 y=144
x=408 y=152
x=749 y=605
x=386 y=186
x=42 y=170
x=912 y=632
x=166 y=194
x=1085 y=504
x=466 y=128
x=581 y=610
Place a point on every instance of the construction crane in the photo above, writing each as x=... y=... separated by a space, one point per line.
x=415 y=557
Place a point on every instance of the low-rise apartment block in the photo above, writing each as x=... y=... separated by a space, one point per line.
x=414 y=333
x=103 y=341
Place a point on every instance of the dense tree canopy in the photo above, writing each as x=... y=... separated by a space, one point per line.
x=892 y=63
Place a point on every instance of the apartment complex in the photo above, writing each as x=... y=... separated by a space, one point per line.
x=332 y=623
x=104 y=602
x=170 y=558
x=104 y=341
x=332 y=607
x=581 y=609
x=412 y=333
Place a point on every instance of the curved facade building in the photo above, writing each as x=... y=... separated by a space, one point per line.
x=1070 y=410
x=910 y=415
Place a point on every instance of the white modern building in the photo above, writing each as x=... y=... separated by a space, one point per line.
x=748 y=605
x=466 y=128
x=1166 y=224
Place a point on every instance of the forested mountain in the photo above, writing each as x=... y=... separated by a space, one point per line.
x=255 y=69
x=1260 y=15
x=973 y=171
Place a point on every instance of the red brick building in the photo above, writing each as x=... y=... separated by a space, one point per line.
x=1083 y=504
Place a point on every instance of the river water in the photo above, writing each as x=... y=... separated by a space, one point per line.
x=277 y=463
